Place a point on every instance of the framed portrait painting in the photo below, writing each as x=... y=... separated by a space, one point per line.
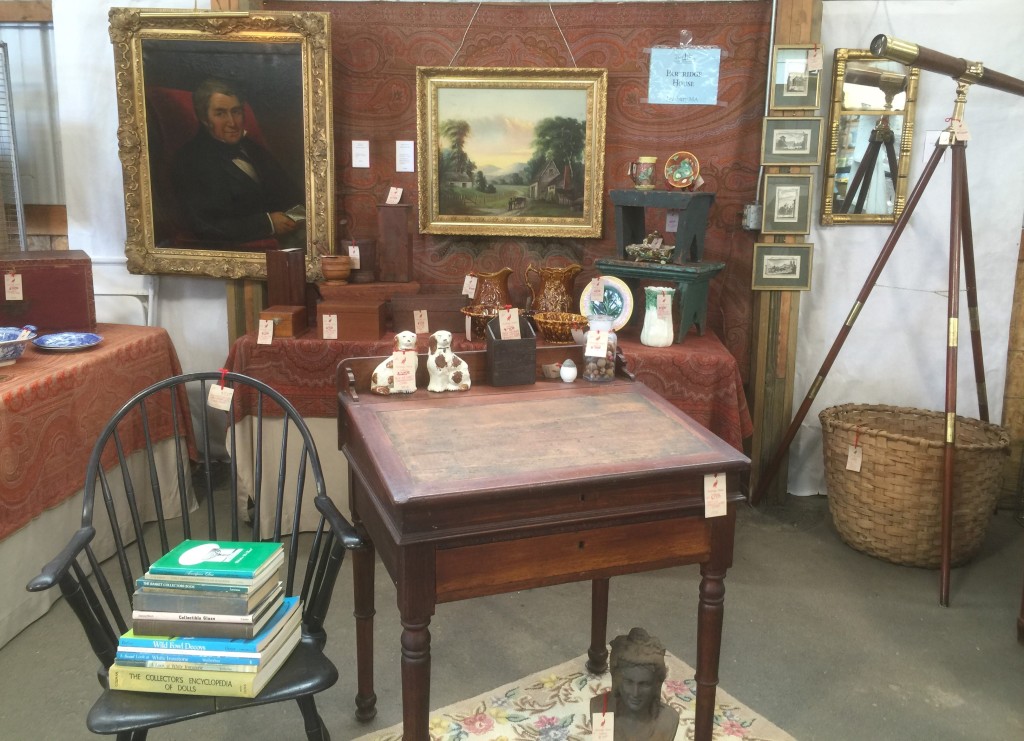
x=791 y=141
x=225 y=138
x=794 y=85
x=786 y=204
x=782 y=267
x=511 y=151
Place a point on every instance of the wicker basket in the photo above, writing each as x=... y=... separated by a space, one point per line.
x=892 y=508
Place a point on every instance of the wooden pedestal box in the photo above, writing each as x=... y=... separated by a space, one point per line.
x=511 y=362
x=356 y=320
x=289 y=321
x=443 y=311
x=57 y=291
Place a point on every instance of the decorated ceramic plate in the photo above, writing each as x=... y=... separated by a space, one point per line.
x=681 y=170
x=617 y=303
x=67 y=341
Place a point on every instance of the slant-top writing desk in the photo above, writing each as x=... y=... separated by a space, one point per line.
x=465 y=494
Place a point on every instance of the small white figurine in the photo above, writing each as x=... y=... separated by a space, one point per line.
x=448 y=372
x=383 y=379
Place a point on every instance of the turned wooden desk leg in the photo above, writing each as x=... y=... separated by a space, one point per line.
x=415 y=678
x=597 y=662
x=362 y=577
x=709 y=644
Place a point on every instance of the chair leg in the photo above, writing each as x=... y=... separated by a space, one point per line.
x=315 y=728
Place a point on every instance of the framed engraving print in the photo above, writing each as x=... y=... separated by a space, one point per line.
x=786 y=204
x=791 y=141
x=794 y=86
x=225 y=138
x=782 y=267
x=511 y=151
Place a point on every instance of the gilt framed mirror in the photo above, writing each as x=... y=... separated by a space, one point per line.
x=870 y=135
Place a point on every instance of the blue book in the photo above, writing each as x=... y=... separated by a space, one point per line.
x=239 y=645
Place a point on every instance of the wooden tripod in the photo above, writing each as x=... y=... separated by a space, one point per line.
x=960 y=242
x=881 y=136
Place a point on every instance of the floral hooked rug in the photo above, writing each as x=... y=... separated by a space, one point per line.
x=554 y=705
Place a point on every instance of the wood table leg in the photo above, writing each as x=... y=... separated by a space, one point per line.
x=709 y=643
x=362 y=577
x=597 y=662
x=415 y=678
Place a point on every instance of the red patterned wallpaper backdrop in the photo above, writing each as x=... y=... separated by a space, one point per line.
x=378 y=45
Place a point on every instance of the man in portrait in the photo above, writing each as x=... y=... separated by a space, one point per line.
x=229 y=186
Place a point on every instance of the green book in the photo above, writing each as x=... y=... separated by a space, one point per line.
x=222 y=558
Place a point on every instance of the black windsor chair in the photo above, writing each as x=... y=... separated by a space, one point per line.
x=100 y=594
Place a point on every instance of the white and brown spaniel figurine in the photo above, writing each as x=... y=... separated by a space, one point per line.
x=448 y=372
x=383 y=379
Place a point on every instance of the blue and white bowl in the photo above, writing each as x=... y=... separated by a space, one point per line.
x=11 y=347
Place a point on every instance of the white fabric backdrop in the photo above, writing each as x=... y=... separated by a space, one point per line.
x=895 y=353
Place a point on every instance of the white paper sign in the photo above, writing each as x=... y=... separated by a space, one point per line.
x=604 y=727
x=469 y=286
x=597 y=291
x=854 y=458
x=597 y=343
x=12 y=287
x=353 y=255
x=405 y=375
x=405 y=156
x=220 y=397
x=265 y=334
x=394 y=196
x=360 y=153
x=664 y=305
x=508 y=324
x=330 y=326
x=960 y=130
x=698 y=182
x=815 y=60
x=714 y=495
x=671 y=221
x=420 y=321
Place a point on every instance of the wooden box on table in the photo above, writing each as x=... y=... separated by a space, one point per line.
x=360 y=320
x=289 y=321
x=57 y=291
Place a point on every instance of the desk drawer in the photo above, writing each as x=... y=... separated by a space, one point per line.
x=506 y=566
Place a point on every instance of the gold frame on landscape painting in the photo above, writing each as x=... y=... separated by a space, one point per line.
x=282 y=63
x=487 y=158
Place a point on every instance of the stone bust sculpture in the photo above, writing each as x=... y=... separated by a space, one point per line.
x=638 y=669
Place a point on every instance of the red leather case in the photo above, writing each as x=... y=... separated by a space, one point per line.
x=58 y=290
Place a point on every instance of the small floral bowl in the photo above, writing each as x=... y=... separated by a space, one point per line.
x=11 y=347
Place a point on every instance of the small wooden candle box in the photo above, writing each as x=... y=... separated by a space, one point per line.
x=289 y=321
x=363 y=320
x=511 y=362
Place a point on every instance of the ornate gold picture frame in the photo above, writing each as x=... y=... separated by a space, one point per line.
x=510 y=151
x=225 y=138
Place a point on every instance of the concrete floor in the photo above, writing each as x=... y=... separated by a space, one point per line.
x=825 y=642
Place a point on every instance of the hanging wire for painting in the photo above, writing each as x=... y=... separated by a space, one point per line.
x=473 y=18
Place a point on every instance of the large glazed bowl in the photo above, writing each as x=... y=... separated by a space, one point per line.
x=11 y=347
x=557 y=326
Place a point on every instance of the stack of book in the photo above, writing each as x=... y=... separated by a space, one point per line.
x=209 y=618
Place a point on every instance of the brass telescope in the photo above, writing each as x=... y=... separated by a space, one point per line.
x=933 y=61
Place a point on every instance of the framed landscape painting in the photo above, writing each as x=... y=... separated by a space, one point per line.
x=786 y=204
x=225 y=138
x=782 y=267
x=791 y=141
x=511 y=151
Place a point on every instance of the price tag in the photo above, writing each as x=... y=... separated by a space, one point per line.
x=960 y=131
x=671 y=222
x=394 y=196
x=25 y=332
x=597 y=291
x=508 y=323
x=854 y=458
x=815 y=60
x=420 y=323
x=12 y=287
x=220 y=397
x=353 y=255
x=405 y=370
x=330 y=327
x=597 y=343
x=698 y=182
x=714 y=495
x=265 y=334
x=604 y=727
x=469 y=286
x=469 y=329
x=664 y=305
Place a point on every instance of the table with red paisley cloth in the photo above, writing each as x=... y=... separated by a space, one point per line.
x=699 y=376
x=53 y=406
